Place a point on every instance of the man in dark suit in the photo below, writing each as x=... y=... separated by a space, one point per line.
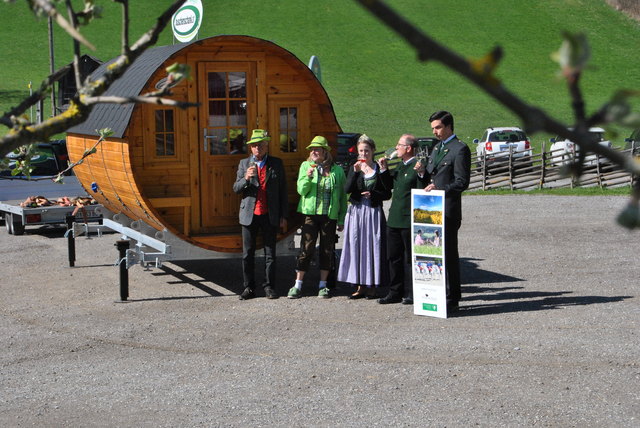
x=264 y=206
x=402 y=179
x=449 y=169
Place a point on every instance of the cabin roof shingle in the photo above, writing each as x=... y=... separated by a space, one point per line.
x=117 y=116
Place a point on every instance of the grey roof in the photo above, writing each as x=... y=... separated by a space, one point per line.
x=117 y=116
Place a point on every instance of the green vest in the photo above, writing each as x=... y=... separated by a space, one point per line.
x=405 y=178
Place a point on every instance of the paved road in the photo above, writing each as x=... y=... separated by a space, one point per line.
x=548 y=335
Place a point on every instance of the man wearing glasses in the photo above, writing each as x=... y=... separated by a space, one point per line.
x=406 y=176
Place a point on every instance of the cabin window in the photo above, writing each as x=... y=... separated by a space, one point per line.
x=227 y=123
x=289 y=129
x=165 y=134
x=290 y=121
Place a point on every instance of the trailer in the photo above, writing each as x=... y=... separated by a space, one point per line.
x=17 y=217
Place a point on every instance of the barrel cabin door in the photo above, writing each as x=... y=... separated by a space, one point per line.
x=227 y=95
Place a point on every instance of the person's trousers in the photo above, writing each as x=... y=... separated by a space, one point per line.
x=452 y=259
x=313 y=226
x=399 y=254
x=249 y=235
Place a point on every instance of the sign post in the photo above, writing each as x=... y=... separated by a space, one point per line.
x=427 y=253
x=186 y=22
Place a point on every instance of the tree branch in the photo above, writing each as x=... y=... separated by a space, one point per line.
x=9 y=118
x=480 y=73
x=143 y=99
x=78 y=110
x=47 y=7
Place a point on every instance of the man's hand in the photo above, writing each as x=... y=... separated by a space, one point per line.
x=382 y=162
x=251 y=172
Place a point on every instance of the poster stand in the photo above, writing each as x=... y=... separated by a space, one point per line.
x=427 y=253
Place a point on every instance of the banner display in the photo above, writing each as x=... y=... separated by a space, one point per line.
x=427 y=253
x=187 y=20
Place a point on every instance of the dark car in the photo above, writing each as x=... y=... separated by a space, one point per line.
x=49 y=159
x=427 y=143
x=347 y=150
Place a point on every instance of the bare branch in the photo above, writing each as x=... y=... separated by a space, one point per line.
x=76 y=46
x=78 y=111
x=32 y=99
x=143 y=99
x=534 y=118
x=47 y=7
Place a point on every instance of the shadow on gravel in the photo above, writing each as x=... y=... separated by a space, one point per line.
x=529 y=300
x=543 y=304
x=227 y=273
x=471 y=274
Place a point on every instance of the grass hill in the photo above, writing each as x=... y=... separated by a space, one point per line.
x=373 y=78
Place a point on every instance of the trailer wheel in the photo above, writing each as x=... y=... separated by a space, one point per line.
x=18 y=228
x=8 y=223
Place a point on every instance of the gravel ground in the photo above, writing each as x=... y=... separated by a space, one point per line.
x=547 y=335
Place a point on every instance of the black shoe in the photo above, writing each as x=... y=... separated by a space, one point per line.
x=247 y=294
x=389 y=298
x=407 y=301
x=270 y=293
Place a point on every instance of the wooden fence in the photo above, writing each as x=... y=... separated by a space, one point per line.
x=520 y=171
x=545 y=170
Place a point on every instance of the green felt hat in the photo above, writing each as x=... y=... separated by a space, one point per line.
x=319 y=141
x=258 y=135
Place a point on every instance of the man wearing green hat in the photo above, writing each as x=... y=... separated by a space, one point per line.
x=261 y=181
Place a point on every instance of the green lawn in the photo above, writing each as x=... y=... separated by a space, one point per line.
x=373 y=78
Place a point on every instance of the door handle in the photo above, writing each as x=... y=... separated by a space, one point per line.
x=206 y=140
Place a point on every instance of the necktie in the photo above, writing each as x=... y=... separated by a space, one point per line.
x=439 y=154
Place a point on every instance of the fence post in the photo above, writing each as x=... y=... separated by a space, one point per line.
x=543 y=164
x=633 y=153
x=573 y=179
x=512 y=171
x=483 y=165
x=598 y=175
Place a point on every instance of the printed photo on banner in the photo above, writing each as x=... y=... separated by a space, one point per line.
x=428 y=270
x=428 y=208
x=427 y=240
x=429 y=286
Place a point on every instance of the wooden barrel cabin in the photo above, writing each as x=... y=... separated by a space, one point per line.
x=174 y=169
